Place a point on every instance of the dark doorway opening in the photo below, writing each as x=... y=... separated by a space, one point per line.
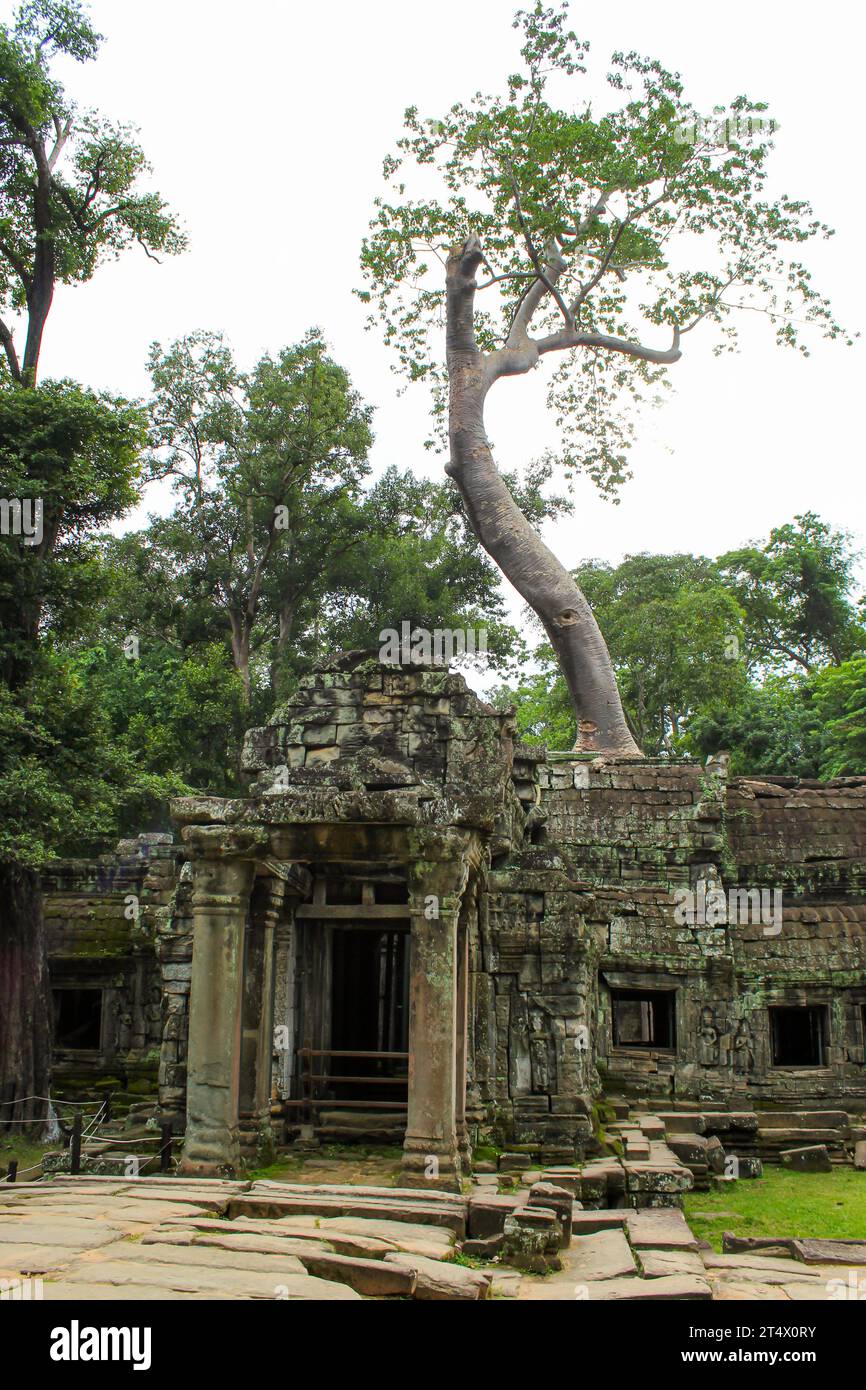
x=798 y=1036
x=370 y=1012
x=644 y=1018
x=78 y=1019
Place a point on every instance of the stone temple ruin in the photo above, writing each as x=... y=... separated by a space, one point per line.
x=413 y=926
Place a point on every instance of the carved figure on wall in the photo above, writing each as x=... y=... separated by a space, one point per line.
x=744 y=1055
x=708 y=1038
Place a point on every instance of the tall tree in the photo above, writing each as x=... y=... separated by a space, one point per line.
x=598 y=237
x=263 y=464
x=69 y=179
x=76 y=457
x=69 y=200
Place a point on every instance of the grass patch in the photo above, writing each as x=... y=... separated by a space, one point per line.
x=781 y=1203
x=28 y=1154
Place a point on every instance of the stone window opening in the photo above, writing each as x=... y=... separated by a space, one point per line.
x=798 y=1036
x=78 y=1019
x=644 y=1018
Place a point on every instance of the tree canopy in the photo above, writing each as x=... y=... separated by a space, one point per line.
x=71 y=193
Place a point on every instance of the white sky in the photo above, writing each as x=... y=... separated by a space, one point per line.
x=266 y=124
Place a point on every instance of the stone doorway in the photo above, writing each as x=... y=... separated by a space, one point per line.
x=370 y=1010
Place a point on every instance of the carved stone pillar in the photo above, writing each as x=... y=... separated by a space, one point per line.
x=437 y=873
x=284 y=1009
x=223 y=870
x=464 y=1147
x=257 y=1028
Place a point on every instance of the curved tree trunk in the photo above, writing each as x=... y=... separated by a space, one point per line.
x=508 y=537
x=25 y=1029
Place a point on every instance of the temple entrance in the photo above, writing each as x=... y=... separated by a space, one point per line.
x=352 y=1060
x=370 y=1012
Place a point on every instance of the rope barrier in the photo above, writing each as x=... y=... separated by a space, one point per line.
x=53 y=1100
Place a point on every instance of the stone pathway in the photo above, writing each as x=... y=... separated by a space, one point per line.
x=92 y=1238
x=652 y=1255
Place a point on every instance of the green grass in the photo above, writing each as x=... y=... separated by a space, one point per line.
x=781 y=1203
x=27 y=1153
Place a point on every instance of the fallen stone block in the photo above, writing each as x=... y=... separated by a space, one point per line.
x=670 y=1288
x=659 y=1264
x=660 y=1228
x=606 y=1255
x=688 y=1148
x=532 y=1237
x=682 y=1122
x=860 y=1155
x=762 y=1269
x=437 y=1280
x=485 y=1249
x=725 y=1121
x=373 y=1278
x=555 y=1199
x=803 y=1119
x=587 y=1223
x=487 y=1215
x=812 y=1158
x=830 y=1252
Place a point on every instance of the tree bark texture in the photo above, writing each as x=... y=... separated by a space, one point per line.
x=506 y=534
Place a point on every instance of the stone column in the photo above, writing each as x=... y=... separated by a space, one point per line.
x=257 y=1028
x=437 y=873
x=223 y=870
x=464 y=1147
x=284 y=1008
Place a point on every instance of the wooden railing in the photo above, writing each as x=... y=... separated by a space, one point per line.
x=310 y=1080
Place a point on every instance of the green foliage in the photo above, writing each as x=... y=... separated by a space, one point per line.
x=67 y=784
x=62 y=779
x=795 y=593
x=543 y=709
x=772 y=730
x=275 y=543
x=673 y=630
x=839 y=700
x=76 y=453
x=702 y=652
x=647 y=230
x=178 y=716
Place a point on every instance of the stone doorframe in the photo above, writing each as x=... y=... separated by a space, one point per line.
x=436 y=1149
x=239 y=897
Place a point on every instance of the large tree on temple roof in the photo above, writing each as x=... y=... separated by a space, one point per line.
x=543 y=230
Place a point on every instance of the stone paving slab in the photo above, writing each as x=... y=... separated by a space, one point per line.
x=765 y=1267
x=674 y=1287
x=61 y=1291
x=735 y=1291
x=657 y=1264
x=606 y=1255
x=209 y=1280
x=660 y=1228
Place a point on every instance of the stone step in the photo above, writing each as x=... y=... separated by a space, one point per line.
x=321 y=1205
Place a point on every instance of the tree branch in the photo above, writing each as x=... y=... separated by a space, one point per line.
x=11 y=355
x=565 y=339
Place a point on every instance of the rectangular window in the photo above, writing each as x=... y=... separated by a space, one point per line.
x=78 y=1019
x=644 y=1018
x=798 y=1036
